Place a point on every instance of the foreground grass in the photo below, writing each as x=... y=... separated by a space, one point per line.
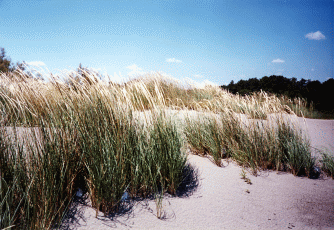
x=83 y=133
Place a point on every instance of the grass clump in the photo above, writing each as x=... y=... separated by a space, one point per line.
x=205 y=137
x=271 y=144
x=38 y=180
x=166 y=145
x=8 y=184
x=296 y=150
x=125 y=156
x=328 y=164
x=243 y=175
x=106 y=140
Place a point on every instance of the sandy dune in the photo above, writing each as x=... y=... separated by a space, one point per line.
x=321 y=133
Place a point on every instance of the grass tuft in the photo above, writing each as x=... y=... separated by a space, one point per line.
x=328 y=164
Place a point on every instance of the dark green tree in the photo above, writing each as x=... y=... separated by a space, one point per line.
x=6 y=64
x=316 y=93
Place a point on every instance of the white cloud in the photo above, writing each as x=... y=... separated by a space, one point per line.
x=133 y=67
x=278 y=61
x=173 y=60
x=135 y=70
x=36 y=63
x=315 y=36
x=207 y=82
x=199 y=85
x=198 y=76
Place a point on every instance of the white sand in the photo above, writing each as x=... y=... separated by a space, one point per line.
x=276 y=200
x=321 y=133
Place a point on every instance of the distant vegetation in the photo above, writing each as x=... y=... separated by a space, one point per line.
x=317 y=95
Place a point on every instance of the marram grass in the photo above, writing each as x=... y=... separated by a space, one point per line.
x=328 y=163
x=78 y=131
x=270 y=144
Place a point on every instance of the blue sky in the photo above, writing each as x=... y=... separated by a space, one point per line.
x=206 y=41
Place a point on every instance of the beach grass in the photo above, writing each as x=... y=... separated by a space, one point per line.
x=328 y=163
x=78 y=132
x=260 y=144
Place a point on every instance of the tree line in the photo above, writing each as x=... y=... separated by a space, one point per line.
x=320 y=95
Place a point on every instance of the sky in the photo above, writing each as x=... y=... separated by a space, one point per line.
x=204 y=41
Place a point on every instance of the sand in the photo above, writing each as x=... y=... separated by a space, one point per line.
x=220 y=199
